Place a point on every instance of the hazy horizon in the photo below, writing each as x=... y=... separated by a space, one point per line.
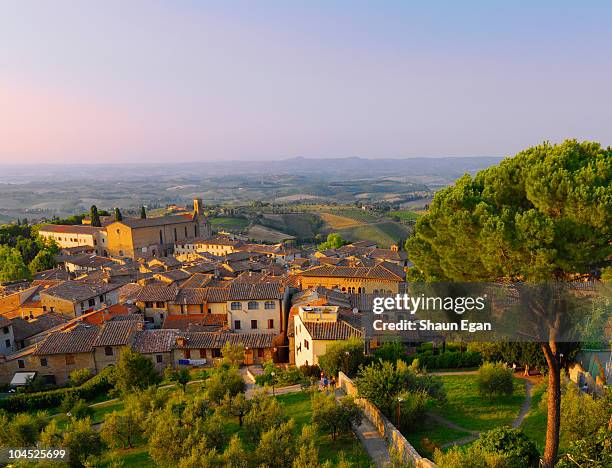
x=188 y=82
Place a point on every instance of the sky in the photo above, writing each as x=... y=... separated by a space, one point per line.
x=170 y=81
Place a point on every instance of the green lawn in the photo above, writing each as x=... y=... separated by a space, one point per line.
x=468 y=409
x=435 y=432
x=134 y=458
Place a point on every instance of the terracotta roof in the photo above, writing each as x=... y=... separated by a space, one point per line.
x=376 y=272
x=78 y=291
x=23 y=329
x=154 y=341
x=339 y=330
x=173 y=275
x=135 y=223
x=69 y=229
x=166 y=261
x=219 y=240
x=129 y=292
x=116 y=333
x=191 y=296
x=79 y=339
x=212 y=340
x=87 y=261
x=157 y=293
x=50 y=275
x=198 y=280
x=195 y=322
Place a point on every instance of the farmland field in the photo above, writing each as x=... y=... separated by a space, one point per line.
x=261 y=233
x=384 y=234
x=405 y=215
x=228 y=222
x=335 y=222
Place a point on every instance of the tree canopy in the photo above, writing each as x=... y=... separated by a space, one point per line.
x=543 y=215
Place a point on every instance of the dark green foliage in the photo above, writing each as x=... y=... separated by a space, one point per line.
x=413 y=409
x=12 y=266
x=390 y=351
x=381 y=383
x=180 y=376
x=44 y=260
x=336 y=418
x=143 y=213
x=446 y=360
x=513 y=444
x=592 y=451
x=118 y=215
x=223 y=381
x=134 y=372
x=495 y=379
x=94 y=216
x=21 y=430
x=95 y=386
x=345 y=356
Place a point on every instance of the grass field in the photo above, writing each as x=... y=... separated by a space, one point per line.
x=435 y=433
x=337 y=222
x=468 y=409
x=261 y=233
x=405 y=215
x=227 y=222
x=384 y=234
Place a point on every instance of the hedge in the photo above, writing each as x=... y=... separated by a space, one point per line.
x=447 y=360
x=98 y=384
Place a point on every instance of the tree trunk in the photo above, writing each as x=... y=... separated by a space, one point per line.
x=553 y=422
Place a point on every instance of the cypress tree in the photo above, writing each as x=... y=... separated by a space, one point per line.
x=118 y=215
x=143 y=213
x=95 y=217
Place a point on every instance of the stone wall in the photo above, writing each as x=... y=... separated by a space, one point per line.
x=385 y=428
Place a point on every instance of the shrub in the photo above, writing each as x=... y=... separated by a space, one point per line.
x=513 y=444
x=80 y=376
x=346 y=356
x=390 y=351
x=282 y=376
x=134 y=372
x=265 y=413
x=413 y=407
x=333 y=417
x=473 y=457
x=495 y=379
x=222 y=381
x=446 y=360
x=310 y=371
x=95 y=386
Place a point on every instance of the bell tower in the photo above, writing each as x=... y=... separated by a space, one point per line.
x=198 y=207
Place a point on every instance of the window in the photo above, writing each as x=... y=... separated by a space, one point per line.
x=209 y=310
x=306 y=344
x=202 y=354
x=216 y=353
x=236 y=306
x=149 y=305
x=21 y=363
x=270 y=305
x=69 y=359
x=254 y=324
x=185 y=231
x=44 y=308
x=108 y=350
x=253 y=305
x=236 y=324
x=92 y=302
x=7 y=343
x=175 y=236
x=161 y=238
x=187 y=354
x=270 y=323
x=159 y=305
x=159 y=358
x=43 y=362
x=5 y=330
x=260 y=353
x=82 y=306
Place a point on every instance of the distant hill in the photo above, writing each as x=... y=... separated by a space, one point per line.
x=334 y=168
